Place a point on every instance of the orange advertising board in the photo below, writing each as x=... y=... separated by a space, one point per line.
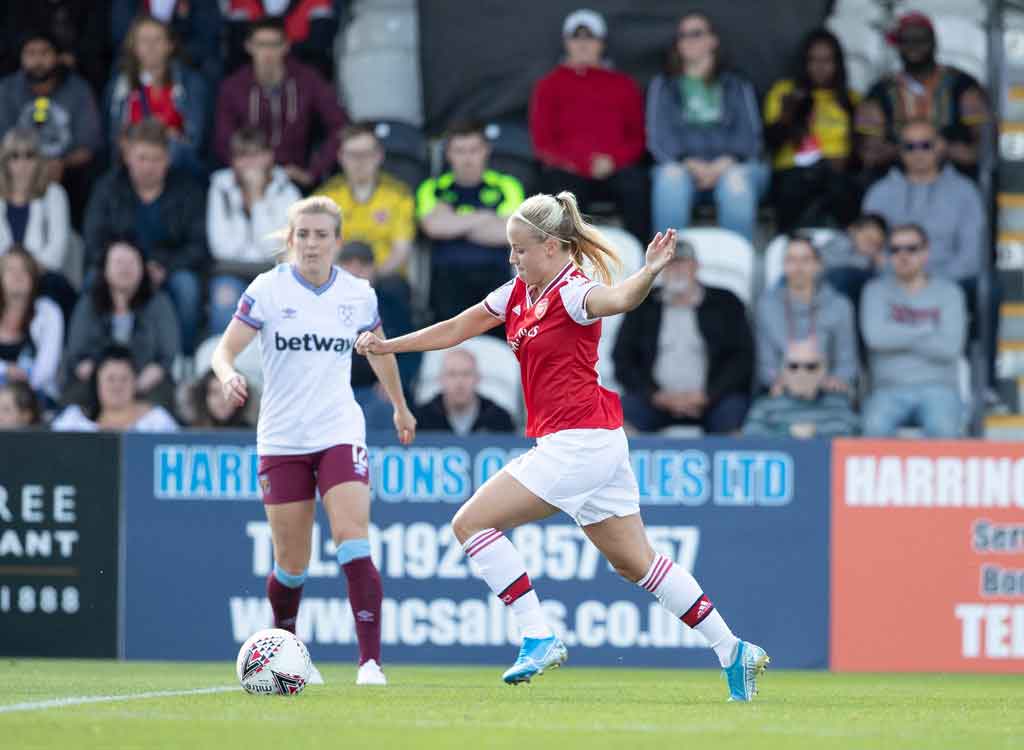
x=927 y=556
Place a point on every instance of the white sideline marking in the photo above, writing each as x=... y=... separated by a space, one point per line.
x=83 y=699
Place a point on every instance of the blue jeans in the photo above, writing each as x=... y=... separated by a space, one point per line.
x=735 y=196
x=184 y=290
x=935 y=408
x=225 y=291
x=724 y=417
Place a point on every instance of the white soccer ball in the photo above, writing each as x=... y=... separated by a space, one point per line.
x=273 y=662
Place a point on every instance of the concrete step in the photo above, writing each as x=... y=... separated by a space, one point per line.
x=1011 y=321
x=1004 y=427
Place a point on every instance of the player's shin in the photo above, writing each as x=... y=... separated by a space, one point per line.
x=680 y=594
x=284 y=591
x=364 y=595
x=502 y=567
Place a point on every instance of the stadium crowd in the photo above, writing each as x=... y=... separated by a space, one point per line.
x=147 y=157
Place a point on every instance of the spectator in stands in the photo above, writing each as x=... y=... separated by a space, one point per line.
x=114 y=401
x=310 y=27
x=123 y=308
x=34 y=213
x=48 y=98
x=856 y=256
x=197 y=25
x=914 y=325
x=587 y=126
x=685 y=356
x=704 y=131
x=209 y=407
x=247 y=203
x=78 y=29
x=459 y=408
x=396 y=318
x=949 y=208
x=376 y=208
x=809 y=129
x=154 y=83
x=803 y=409
x=464 y=212
x=165 y=210
x=283 y=98
x=18 y=406
x=950 y=99
x=31 y=326
x=801 y=306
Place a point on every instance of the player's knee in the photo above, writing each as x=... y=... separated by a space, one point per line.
x=629 y=570
x=464 y=526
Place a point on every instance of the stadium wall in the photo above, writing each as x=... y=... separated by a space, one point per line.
x=916 y=564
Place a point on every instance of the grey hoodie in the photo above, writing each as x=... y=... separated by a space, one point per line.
x=949 y=209
x=913 y=339
x=829 y=316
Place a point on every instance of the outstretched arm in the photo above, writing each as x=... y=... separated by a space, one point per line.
x=603 y=301
x=385 y=367
x=448 y=333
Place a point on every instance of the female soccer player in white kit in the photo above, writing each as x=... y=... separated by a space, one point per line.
x=580 y=465
x=311 y=433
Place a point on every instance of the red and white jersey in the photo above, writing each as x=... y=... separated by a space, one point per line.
x=556 y=345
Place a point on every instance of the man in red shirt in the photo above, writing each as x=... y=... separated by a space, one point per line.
x=587 y=125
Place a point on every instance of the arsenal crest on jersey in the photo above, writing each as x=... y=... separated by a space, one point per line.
x=346 y=313
x=542 y=307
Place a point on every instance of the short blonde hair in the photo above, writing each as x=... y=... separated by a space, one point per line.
x=558 y=217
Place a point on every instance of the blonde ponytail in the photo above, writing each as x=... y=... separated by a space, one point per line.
x=315 y=204
x=559 y=217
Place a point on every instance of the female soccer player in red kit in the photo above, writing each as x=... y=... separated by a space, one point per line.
x=580 y=465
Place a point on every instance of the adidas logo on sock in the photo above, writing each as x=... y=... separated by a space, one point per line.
x=705 y=605
x=364 y=615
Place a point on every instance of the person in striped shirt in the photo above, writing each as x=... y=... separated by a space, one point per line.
x=803 y=409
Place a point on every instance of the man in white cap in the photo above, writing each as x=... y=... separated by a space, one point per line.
x=587 y=125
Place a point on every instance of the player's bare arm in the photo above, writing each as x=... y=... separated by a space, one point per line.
x=236 y=337
x=385 y=367
x=444 y=335
x=625 y=296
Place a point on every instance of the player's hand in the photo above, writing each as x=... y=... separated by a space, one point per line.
x=405 y=425
x=661 y=250
x=235 y=389
x=370 y=343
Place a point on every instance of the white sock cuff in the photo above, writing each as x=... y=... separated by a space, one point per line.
x=481 y=540
x=656 y=574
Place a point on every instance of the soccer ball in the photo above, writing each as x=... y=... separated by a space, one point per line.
x=273 y=662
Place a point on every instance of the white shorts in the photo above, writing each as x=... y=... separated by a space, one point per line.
x=585 y=473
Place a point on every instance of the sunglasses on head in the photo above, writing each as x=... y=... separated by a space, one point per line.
x=691 y=34
x=918 y=145
x=912 y=248
x=808 y=366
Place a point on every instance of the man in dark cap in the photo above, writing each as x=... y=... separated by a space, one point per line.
x=953 y=101
x=685 y=356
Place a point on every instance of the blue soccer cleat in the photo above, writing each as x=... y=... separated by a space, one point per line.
x=742 y=674
x=536 y=655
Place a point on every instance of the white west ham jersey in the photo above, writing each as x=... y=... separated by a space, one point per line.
x=306 y=336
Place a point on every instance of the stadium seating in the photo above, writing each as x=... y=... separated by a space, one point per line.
x=381 y=44
x=512 y=152
x=405 y=151
x=867 y=54
x=725 y=260
x=499 y=375
x=631 y=251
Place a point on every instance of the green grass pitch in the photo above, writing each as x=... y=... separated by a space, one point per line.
x=453 y=707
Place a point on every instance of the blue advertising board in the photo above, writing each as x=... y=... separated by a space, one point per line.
x=749 y=518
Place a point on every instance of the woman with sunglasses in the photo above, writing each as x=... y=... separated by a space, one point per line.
x=34 y=212
x=704 y=131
